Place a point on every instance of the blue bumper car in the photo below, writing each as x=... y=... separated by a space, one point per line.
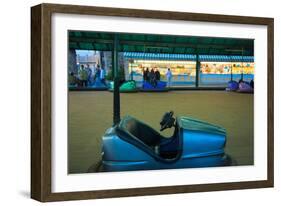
x=156 y=86
x=133 y=145
x=245 y=87
x=232 y=86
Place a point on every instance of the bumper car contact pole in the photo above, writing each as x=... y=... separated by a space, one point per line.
x=116 y=92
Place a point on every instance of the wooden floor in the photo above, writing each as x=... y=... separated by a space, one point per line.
x=90 y=114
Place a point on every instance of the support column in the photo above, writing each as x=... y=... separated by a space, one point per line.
x=72 y=61
x=231 y=74
x=116 y=93
x=242 y=64
x=197 y=71
x=242 y=73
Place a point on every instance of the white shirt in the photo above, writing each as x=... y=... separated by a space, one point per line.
x=169 y=74
x=93 y=70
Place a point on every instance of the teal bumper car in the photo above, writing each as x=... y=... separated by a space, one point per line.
x=134 y=145
x=126 y=87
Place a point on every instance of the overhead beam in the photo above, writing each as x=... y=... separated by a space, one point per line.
x=91 y=40
x=158 y=44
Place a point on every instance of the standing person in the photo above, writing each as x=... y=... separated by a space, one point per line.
x=97 y=73
x=151 y=75
x=102 y=76
x=83 y=76
x=152 y=78
x=93 y=69
x=157 y=75
x=145 y=74
x=169 y=76
x=132 y=75
x=89 y=72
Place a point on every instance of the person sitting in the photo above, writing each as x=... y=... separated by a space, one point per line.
x=252 y=83
x=241 y=81
x=72 y=79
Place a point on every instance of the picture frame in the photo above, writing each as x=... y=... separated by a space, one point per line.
x=41 y=101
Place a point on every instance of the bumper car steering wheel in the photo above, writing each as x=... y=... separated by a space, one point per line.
x=167 y=121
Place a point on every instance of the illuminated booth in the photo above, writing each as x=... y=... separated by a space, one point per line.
x=182 y=67
x=219 y=70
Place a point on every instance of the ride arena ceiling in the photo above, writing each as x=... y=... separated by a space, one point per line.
x=152 y=43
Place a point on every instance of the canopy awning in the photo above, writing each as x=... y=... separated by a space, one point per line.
x=188 y=57
x=159 y=56
x=225 y=58
x=166 y=44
